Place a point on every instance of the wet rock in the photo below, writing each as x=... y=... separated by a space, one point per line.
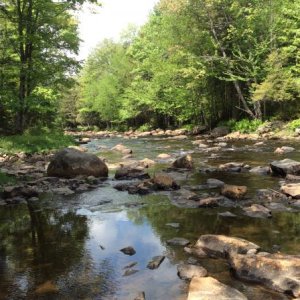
x=140 y=296
x=219 y=131
x=46 y=288
x=164 y=182
x=208 y=288
x=146 y=163
x=79 y=148
x=184 y=162
x=215 y=202
x=202 y=146
x=231 y=167
x=131 y=265
x=257 y=211
x=19 y=191
x=291 y=189
x=188 y=271
x=260 y=170
x=177 y=241
x=68 y=163
x=285 y=166
x=163 y=156
x=227 y=214
x=214 y=183
x=63 y=191
x=15 y=200
x=155 y=262
x=178 y=137
x=284 y=149
x=296 y=203
x=121 y=148
x=220 y=245
x=130 y=173
x=128 y=251
x=235 y=192
x=276 y=271
x=173 y=225
x=129 y=272
x=290 y=177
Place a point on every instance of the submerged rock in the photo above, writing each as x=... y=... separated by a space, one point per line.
x=257 y=211
x=155 y=262
x=235 y=192
x=284 y=149
x=188 y=271
x=184 y=162
x=131 y=173
x=260 y=170
x=285 y=166
x=140 y=296
x=208 y=288
x=177 y=241
x=214 y=183
x=220 y=245
x=69 y=163
x=128 y=251
x=276 y=271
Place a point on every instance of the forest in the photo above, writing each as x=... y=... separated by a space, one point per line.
x=196 y=62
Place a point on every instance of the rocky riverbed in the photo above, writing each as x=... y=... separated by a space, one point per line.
x=195 y=215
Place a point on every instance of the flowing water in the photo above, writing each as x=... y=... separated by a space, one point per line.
x=68 y=247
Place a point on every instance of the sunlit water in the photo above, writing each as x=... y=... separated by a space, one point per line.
x=69 y=247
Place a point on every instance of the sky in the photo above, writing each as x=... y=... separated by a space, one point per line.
x=110 y=20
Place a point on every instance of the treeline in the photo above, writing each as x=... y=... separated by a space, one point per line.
x=196 y=62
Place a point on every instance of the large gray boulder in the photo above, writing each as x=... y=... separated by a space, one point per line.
x=220 y=131
x=69 y=163
x=285 y=166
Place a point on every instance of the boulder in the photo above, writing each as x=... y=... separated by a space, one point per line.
x=214 y=183
x=220 y=245
x=285 y=166
x=164 y=182
x=208 y=288
x=284 y=149
x=276 y=271
x=235 y=192
x=70 y=163
x=257 y=211
x=130 y=173
x=260 y=170
x=219 y=131
x=188 y=271
x=184 y=162
x=291 y=189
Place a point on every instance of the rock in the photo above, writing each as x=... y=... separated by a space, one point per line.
x=46 y=288
x=130 y=173
x=129 y=272
x=155 y=262
x=131 y=265
x=290 y=177
x=285 y=166
x=215 y=202
x=198 y=130
x=260 y=170
x=220 y=245
x=63 y=191
x=234 y=191
x=178 y=137
x=187 y=271
x=214 y=183
x=147 y=163
x=140 y=296
x=284 y=149
x=178 y=242
x=227 y=214
x=219 y=131
x=231 y=167
x=257 y=211
x=164 y=182
x=163 y=156
x=69 y=163
x=202 y=146
x=79 y=148
x=184 y=162
x=269 y=127
x=276 y=271
x=19 y=191
x=208 y=288
x=128 y=251
x=121 y=148
x=173 y=225
x=291 y=189
x=196 y=251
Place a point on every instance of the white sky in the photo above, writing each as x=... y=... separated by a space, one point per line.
x=110 y=20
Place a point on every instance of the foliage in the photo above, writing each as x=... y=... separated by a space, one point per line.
x=41 y=140
x=294 y=124
x=245 y=125
x=6 y=179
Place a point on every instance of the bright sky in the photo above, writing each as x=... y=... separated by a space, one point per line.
x=110 y=20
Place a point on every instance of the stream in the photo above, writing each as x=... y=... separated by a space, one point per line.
x=68 y=247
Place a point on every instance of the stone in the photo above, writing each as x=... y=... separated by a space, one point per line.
x=164 y=182
x=47 y=288
x=221 y=245
x=130 y=173
x=284 y=149
x=285 y=166
x=219 y=131
x=214 y=183
x=163 y=156
x=198 y=130
x=129 y=272
x=291 y=189
x=62 y=191
x=231 y=167
x=260 y=170
x=173 y=225
x=184 y=162
x=208 y=288
x=290 y=177
x=69 y=163
x=257 y=211
x=131 y=265
x=188 y=271
x=177 y=241
x=234 y=191
x=155 y=262
x=140 y=296
x=128 y=251
x=227 y=214
x=146 y=163
x=215 y=202
x=121 y=148
x=276 y=271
